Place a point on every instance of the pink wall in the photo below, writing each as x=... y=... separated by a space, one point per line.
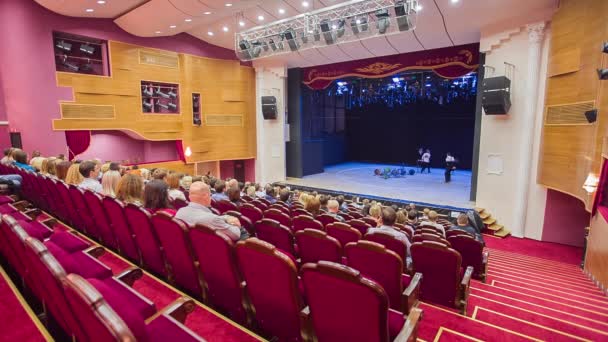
x=565 y=219
x=27 y=65
x=115 y=145
x=227 y=169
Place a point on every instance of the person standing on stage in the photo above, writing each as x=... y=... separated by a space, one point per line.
x=449 y=166
x=426 y=161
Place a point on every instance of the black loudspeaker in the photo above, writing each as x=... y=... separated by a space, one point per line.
x=269 y=107
x=496 y=95
x=591 y=115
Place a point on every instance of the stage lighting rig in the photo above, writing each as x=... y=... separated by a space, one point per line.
x=160 y=93
x=64 y=45
x=290 y=35
x=359 y=24
x=88 y=49
x=382 y=21
x=603 y=72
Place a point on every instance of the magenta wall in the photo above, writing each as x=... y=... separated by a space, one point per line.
x=115 y=145
x=27 y=67
x=227 y=169
x=565 y=219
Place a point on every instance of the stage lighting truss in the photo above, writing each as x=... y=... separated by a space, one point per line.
x=344 y=22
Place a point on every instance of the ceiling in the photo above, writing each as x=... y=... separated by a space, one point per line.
x=440 y=22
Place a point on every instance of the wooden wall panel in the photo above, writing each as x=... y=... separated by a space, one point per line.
x=596 y=258
x=570 y=152
x=225 y=86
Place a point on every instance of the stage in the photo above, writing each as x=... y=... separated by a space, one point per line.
x=359 y=178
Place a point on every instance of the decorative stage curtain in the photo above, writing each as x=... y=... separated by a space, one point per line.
x=180 y=150
x=600 y=196
x=449 y=62
x=78 y=142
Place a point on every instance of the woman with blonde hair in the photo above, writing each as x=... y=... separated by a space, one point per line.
x=109 y=182
x=251 y=191
x=313 y=205
x=401 y=217
x=304 y=198
x=51 y=167
x=74 y=176
x=376 y=212
x=174 y=191
x=130 y=189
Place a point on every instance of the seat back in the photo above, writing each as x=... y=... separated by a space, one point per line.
x=454 y=232
x=295 y=212
x=152 y=253
x=82 y=211
x=326 y=219
x=173 y=236
x=365 y=256
x=276 y=234
x=272 y=285
x=343 y=232
x=264 y=201
x=471 y=252
x=315 y=245
x=440 y=267
x=225 y=205
x=253 y=213
x=408 y=230
x=359 y=225
x=216 y=255
x=244 y=220
x=346 y=216
x=302 y=222
x=179 y=203
x=259 y=204
x=390 y=242
x=430 y=237
x=279 y=216
x=124 y=235
x=100 y=219
x=355 y=214
x=345 y=306
x=72 y=215
x=280 y=206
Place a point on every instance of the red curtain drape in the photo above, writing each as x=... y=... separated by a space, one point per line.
x=78 y=142
x=180 y=150
x=600 y=194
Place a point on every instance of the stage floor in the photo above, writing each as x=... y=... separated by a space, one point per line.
x=358 y=178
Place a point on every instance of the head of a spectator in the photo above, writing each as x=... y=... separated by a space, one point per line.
x=241 y=186
x=62 y=169
x=73 y=176
x=44 y=166
x=333 y=206
x=212 y=182
x=375 y=211
x=220 y=186
x=159 y=174
x=365 y=209
x=251 y=191
x=432 y=215
x=284 y=195
x=412 y=216
x=109 y=182
x=61 y=156
x=401 y=217
x=200 y=193
x=186 y=182
x=426 y=211
x=462 y=220
x=51 y=166
x=8 y=151
x=323 y=199
x=130 y=189
x=234 y=194
x=156 y=195
x=233 y=183
x=304 y=198
x=19 y=156
x=269 y=190
x=105 y=167
x=37 y=162
x=114 y=166
x=173 y=180
x=35 y=154
x=313 y=205
x=340 y=200
x=145 y=174
x=388 y=216
x=89 y=169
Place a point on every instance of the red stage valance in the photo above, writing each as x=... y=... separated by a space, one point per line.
x=78 y=142
x=450 y=62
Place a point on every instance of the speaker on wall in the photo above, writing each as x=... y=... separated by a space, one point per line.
x=496 y=95
x=269 y=107
x=591 y=115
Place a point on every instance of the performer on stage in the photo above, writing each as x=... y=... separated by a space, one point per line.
x=426 y=161
x=449 y=166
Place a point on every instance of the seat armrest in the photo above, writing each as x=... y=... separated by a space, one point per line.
x=463 y=293
x=466 y=279
x=50 y=222
x=95 y=251
x=409 y=331
x=32 y=213
x=306 y=331
x=179 y=309
x=21 y=205
x=486 y=257
x=409 y=297
x=130 y=275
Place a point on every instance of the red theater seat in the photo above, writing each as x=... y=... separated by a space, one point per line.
x=360 y=225
x=279 y=216
x=276 y=234
x=315 y=245
x=343 y=233
x=253 y=213
x=419 y=237
x=370 y=220
x=244 y=220
x=389 y=242
x=225 y=205
x=152 y=252
x=326 y=219
x=124 y=235
x=299 y=211
x=472 y=254
x=302 y=222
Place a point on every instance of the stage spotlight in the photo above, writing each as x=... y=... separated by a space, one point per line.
x=402 y=10
x=148 y=91
x=602 y=74
x=383 y=21
x=265 y=46
x=87 y=49
x=147 y=105
x=396 y=79
x=328 y=34
x=172 y=106
x=340 y=30
x=359 y=24
x=290 y=35
x=64 y=45
x=172 y=94
x=160 y=93
x=317 y=35
x=304 y=37
x=71 y=66
x=164 y=106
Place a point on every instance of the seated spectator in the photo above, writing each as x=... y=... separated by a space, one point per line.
x=313 y=206
x=44 y=166
x=412 y=217
x=323 y=199
x=365 y=209
x=174 y=191
x=160 y=174
x=234 y=196
x=285 y=196
x=401 y=217
x=8 y=156
x=51 y=167
x=145 y=174
x=270 y=194
x=376 y=212
x=62 y=169
x=130 y=189
x=90 y=171
x=156 y=197
x=332 y=209
x=304 y=198
x=135 y=170
x=197 y=212
x=20 y=159
x=233 y=183
x=36 y=160
x=386 y=222
x=242 y=188
x=185 y=182
x=462 y=223
x=342 y=203
x=109 y=182
x=219 y=194
x=251 y=191
x=258 y=191
x=432 y=221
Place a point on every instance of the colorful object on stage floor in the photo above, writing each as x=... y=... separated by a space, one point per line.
x=388 y=172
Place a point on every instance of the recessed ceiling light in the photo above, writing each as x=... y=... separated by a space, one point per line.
x=225 y=28
x=210 y=33
x=260 y=17
x=101 y=2
x=228 y=5
x=241 y=23
x=89 y=10
x=419 y=8
x=207 y=13
x=281 y=11
x=158 y=32
x=455 y=1
x=188 y=20
x=305 y=3
x=172 y=26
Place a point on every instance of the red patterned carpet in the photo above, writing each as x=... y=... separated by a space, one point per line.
x=541 y=295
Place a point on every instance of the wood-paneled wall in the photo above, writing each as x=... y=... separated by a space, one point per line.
x=226 y=88
x=570 y=151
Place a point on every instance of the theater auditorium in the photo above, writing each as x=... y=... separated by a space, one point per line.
x=304 y=170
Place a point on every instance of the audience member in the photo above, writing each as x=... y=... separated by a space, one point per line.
x=365 y=209
x=386 y=222
x=323 y=199
x=219 y=194
x=21 y=160
x=62 y=169
x=233 y=183
x=130 y=189
x=160 y=174
x=36 y=160
x=8 y=156
x=51 y=167
x=376 y=212
x=156 y=197
x=109 y=182
x=258 y=191
x=432 y=221
x=234 y=195
x=197 y=212
x=174 y=191
x=332 y=209
x=462 y=223
x=145 y=174
x=285 y=196
x=270 y=194
x=185 y=182
x=342 y=203
x=251 y=191
x=90 y=171
x=412 y=217
x=401 y=217
x=313 y=206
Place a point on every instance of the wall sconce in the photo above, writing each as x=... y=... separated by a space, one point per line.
x=188 y=152
x=591 y=183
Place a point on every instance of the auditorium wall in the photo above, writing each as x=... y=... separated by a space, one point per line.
x=115 y=145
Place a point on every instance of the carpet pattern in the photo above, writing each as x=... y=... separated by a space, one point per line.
x=535 y=291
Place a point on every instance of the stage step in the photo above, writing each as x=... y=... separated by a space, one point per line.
x=491 y=224
x=489 y=220
x=495 y=227
x=484 y=215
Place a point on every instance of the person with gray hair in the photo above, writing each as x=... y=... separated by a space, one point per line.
x=333 y=207
x=198 y=212
x=462 y=223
